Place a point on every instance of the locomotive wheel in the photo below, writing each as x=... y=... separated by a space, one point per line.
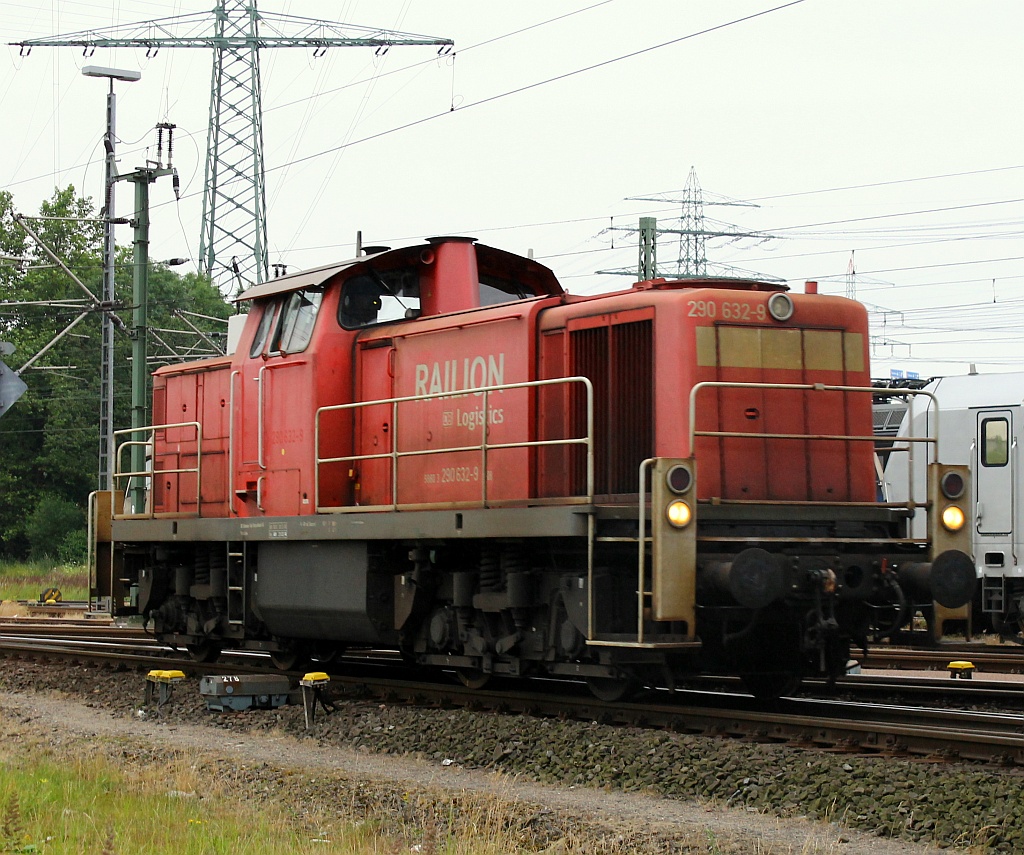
x=472 y=678
x=770 y=686
x=205 y=652
x=288 y=659
x=612 y=689
x=325 y=654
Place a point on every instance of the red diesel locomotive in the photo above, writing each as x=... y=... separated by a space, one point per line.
x=437 y=450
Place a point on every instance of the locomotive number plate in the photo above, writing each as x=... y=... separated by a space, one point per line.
x=728 y=310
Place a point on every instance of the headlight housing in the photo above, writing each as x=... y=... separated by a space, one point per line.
x=952 y=485
x=780 y=307
x=679 y=479
x=678 y=514
x=953 y=518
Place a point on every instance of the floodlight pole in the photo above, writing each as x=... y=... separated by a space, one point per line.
x=109 y=292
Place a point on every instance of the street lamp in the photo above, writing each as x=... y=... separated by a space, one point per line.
x=109 y=296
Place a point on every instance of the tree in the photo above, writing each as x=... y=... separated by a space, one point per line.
x=51 y=524
x=43 y=438
x=49 y=440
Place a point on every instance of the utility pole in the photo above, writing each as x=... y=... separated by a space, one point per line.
x=109 y=292
x=647 y=266
x=234 y=194
x=141 y=178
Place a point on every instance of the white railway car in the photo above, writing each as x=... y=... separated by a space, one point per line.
x=977 y=421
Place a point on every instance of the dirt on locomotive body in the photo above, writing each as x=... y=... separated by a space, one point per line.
x=437 y=449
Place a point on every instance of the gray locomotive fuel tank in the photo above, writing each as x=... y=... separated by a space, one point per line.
x=323 y=590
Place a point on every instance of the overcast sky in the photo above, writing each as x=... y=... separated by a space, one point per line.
x=888 y=132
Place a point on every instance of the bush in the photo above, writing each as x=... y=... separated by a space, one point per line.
x=73 y=548
x=51 y=524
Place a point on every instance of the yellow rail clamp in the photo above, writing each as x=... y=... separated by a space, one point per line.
x=315 y=678
x=165 y=676
x=313 y=693
x=163 y=682
x=960 y=668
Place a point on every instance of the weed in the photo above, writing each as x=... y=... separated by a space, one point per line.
x=13 y=837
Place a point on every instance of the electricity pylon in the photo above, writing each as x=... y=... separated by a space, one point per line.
x=693 y=236
x=233 y=242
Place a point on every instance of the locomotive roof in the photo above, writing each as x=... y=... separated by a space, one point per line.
x=487 y=256
x=296 y=281
x=722 y=282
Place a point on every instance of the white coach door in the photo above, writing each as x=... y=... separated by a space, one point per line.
x=994 y=472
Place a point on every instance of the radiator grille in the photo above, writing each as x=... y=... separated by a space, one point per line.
x=617 y=358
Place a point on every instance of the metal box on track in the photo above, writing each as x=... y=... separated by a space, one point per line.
x=243 y=692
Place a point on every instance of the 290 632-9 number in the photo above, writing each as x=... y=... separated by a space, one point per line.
x=460 y=474
x=729 y=311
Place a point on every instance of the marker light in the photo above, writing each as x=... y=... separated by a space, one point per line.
x=678 y=514
x=953 y=518
x=679 y=479
x=952 y=485
x=780 y=306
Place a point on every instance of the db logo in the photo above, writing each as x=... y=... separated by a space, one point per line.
x=447 y=419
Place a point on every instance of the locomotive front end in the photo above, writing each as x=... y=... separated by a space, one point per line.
x=774 y=507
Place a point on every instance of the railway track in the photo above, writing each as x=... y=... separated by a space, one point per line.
x=852 y=726
x=987 y=658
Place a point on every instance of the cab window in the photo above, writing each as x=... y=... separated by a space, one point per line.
x=263 y=330
x=494 y=291
x=298 y=315
x=379 y=297
x=995 y=445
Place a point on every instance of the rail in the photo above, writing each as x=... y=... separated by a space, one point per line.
x=148 y=474
x=484 y=447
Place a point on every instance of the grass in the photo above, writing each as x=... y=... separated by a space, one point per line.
x=56 y=801
x=26 y=581
x=92 y=806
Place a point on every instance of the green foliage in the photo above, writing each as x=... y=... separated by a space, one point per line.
x=73 y=547
x=49 y=440
x=50 y=524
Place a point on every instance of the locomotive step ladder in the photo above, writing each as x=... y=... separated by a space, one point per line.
x=237 y=563
x=992 y=594
x=644 y=636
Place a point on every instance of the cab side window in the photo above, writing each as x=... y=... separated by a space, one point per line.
x=379 y=297
x=298 y=315
x=263 y=330
x=995 y=442
x=495 y=291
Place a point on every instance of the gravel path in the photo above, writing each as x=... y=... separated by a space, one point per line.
x=513 y=758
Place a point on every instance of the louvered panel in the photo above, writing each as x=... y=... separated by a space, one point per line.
x=618 y=360
x=631 y=428
x=590 y=359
